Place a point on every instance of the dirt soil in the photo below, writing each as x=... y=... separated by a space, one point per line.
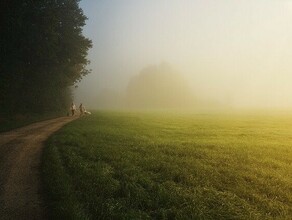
x=20 y=157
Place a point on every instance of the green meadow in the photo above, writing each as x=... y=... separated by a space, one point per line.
x=119 y=165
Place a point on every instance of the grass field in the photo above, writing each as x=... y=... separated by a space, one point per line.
x=114 y=165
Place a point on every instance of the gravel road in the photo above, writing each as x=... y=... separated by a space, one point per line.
x=20 y=155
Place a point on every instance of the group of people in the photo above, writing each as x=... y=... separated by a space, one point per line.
x=82 y=109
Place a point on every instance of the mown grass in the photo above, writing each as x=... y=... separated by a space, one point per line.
x=170 y=166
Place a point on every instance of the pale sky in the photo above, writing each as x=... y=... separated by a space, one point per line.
x=238 y=52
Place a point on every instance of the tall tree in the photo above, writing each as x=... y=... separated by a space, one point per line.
x=43 y=53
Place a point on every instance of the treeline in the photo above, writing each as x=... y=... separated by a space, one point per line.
x=42 y=54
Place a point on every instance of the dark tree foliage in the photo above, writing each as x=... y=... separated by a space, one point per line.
x=42 y=54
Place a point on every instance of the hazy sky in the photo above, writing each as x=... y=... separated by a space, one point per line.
x=236 y=51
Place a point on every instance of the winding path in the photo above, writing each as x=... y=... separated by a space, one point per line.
x=20 y=156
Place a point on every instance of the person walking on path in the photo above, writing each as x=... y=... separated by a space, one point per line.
x=81 y=109
x=73 y=108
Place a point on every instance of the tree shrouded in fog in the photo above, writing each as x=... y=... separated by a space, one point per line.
x=43 y=53
x=159 y=86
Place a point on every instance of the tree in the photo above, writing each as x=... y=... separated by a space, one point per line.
x=43 y=53
x=159 y=87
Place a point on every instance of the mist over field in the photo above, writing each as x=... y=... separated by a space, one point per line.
x=146 y=109
x=221 y=54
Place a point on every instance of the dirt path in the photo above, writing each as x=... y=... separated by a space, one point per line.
x=20 y=155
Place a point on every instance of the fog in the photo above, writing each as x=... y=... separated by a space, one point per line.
x=236 y=54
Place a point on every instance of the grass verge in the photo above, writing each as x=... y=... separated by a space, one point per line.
x=8 y=123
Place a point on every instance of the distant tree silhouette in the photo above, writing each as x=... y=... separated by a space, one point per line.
x=42 y=54
x=159 y=86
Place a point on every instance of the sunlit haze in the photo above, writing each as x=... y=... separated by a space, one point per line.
x=234 y=53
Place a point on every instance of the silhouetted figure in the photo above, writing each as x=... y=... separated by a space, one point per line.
x=73 y=108
x=81 y=109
